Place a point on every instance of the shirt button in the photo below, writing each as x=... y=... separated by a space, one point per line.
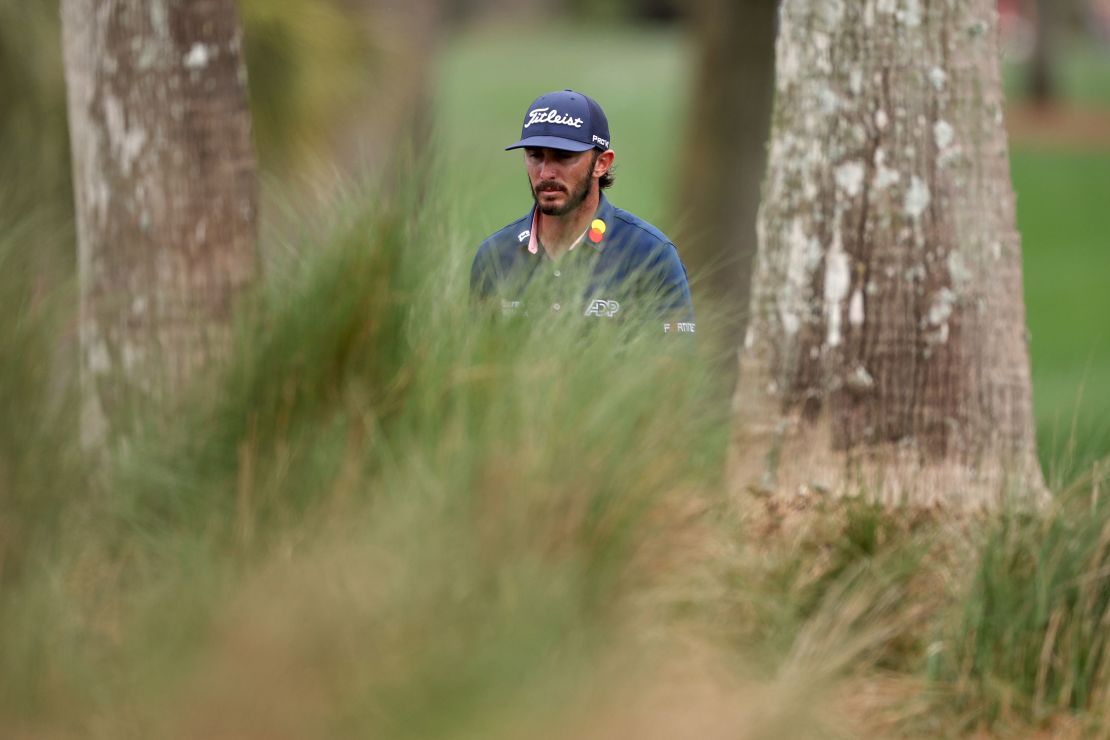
x=556 y=306
x=558 y=274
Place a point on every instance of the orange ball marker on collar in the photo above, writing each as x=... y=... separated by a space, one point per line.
x=597 y=230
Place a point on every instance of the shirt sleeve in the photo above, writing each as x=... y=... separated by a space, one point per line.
x=677 y=304
x=482 y=275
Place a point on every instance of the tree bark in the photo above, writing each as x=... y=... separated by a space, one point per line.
x=165 y=183
x=887 y=351
x=724 y=151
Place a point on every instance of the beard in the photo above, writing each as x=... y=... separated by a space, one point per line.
x=574 y=198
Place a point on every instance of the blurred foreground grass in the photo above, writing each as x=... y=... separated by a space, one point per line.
x=389 y=515
x=392 y=516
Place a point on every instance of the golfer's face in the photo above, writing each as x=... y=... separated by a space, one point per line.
x=560 y=179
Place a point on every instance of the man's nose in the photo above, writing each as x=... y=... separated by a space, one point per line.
x=549 y=168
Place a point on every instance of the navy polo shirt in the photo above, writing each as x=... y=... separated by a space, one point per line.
x=624 y=269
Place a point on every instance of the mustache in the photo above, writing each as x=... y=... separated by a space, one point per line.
x=549 y=185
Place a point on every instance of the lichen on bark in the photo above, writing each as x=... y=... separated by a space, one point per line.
x=887 y=348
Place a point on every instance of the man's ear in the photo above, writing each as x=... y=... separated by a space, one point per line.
x=604 y=162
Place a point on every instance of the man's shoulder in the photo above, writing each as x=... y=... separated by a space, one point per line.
x=497 y=255
x=511 y=235
x=644 y=234
x=640 y=243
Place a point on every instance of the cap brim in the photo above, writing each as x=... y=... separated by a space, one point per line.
x=552 y=142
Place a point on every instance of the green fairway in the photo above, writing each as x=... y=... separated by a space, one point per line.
x=1065 y=228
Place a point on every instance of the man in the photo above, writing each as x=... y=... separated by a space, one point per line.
x=574 y=248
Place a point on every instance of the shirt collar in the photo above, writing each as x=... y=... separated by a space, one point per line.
x=594 y=235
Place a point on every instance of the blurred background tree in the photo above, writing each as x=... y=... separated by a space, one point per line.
x=33 y=142
x=628 y=11
x=723 y=152
x=306 y=60
x=352 y=92
x=1042 y=66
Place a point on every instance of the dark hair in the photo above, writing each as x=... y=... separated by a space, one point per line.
x=605 y=181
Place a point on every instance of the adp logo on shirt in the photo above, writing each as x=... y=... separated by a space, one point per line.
x=602 y=307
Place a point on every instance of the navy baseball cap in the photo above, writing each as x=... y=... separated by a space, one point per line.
x=565 y=120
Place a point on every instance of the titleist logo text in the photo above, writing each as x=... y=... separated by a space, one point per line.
x=551 y=115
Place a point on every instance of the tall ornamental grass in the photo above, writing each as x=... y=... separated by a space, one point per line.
x=395 y=513
x=392 y=513
x=1030 y=638
x=41 y=466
